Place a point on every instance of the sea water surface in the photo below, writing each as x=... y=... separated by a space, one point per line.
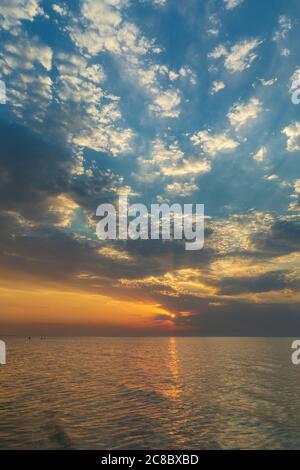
x=149 y=393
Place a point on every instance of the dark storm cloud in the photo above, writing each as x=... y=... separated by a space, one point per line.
x=265 y=283
x=284 y=237
x=234 y=318
x=91 y=191
x=32 y=169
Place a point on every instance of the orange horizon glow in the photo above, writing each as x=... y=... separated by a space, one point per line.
x=48 y=305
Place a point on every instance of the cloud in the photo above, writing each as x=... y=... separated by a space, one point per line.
x=190 y=166
x=26 y=64
x=170 y=161
x=166 y=104
x=242 y=113
x=216 y=87
x=213 y=31
x=51 y=194
x=270 y=82
x=295 y=197
x=285 y=25
x=281 y=238
x=59 y=9
x=159 y=3
x=162 y=153
x=236 y=233
x=218 y=52
x=186 y=72
x=181 y=189
x=231 y=4
x=64 y=208
x=26 y=191
x=214 y=144
x=102 y=27
x=292 y=133
x=297 y=186
x=115 y=254
x=214 y=24
x=97 y=124
x=103 y=138
x=271 y=177
x=32 y=52
x=239 y=57
x=239 y=271
x=157 y=80
x=295 y=80
x=260 y=155
x=13 y=12
x=176 y=283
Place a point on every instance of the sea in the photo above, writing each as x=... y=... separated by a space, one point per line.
x=149 y=393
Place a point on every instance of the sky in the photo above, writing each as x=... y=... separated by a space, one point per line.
x=163 y=101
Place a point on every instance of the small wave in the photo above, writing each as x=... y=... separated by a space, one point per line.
x=57 y=433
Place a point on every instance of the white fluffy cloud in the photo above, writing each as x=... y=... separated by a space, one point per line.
x=295 y=80
x=239 y=57
x=181 y=189
x=297 y=186
x=236 y=233
x=170 y=161
x=25 y=53
x=158 y=83
x=295 y=196
x=214 y=25
x=231 y=4
x=214 y=144
x=218 y=52
x=216 y=87
x=25 y=65
x=97 y=126
x=241 y=113
x=159 y=3
x=166 y=104
x=293 y=136
x=187 y=168
x=271 y=177
x=285 y=25
x=60 y=10
x=13 y=12
x=269 y=82
x=261 y=154
x=102 y=27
